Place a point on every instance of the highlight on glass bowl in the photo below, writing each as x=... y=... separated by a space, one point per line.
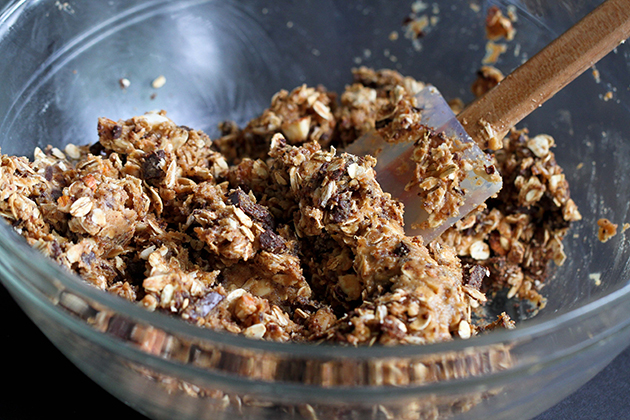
x=187 y=218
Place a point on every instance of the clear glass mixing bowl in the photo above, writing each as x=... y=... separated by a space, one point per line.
x=223 y=60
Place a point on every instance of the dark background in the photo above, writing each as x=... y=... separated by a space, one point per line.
x=41 y=386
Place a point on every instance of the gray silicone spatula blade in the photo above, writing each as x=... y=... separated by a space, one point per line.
x=394 y=168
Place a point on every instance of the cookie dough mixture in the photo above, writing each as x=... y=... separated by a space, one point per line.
x=271 y=232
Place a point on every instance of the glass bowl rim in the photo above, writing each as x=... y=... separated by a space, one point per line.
x=27 y=256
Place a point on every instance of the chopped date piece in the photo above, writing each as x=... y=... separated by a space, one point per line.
x=257 y=212
x=474 y=275
x=270 y=241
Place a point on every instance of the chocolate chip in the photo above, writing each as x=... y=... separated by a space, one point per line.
x=55 y=249
x=401 y=250
x=88 y=257
x=116 y=131
x=152 y=165
x=383 y=123
x=97 y=149
x=208 y=303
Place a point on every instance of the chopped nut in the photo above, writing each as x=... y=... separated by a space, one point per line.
x=297 y=131
x=480 y=250
x=464 y=330
x=255 y=331
x=596 y=277
x=540 y=145
x=72 y=151
x=158 y=82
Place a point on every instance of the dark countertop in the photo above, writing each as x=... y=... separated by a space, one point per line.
x=607 y=396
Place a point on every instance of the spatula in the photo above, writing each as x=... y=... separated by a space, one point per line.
x=491 y=116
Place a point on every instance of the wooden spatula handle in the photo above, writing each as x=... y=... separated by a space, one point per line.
x=491 y=116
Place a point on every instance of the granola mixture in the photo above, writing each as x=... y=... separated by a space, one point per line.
x=272 y=233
